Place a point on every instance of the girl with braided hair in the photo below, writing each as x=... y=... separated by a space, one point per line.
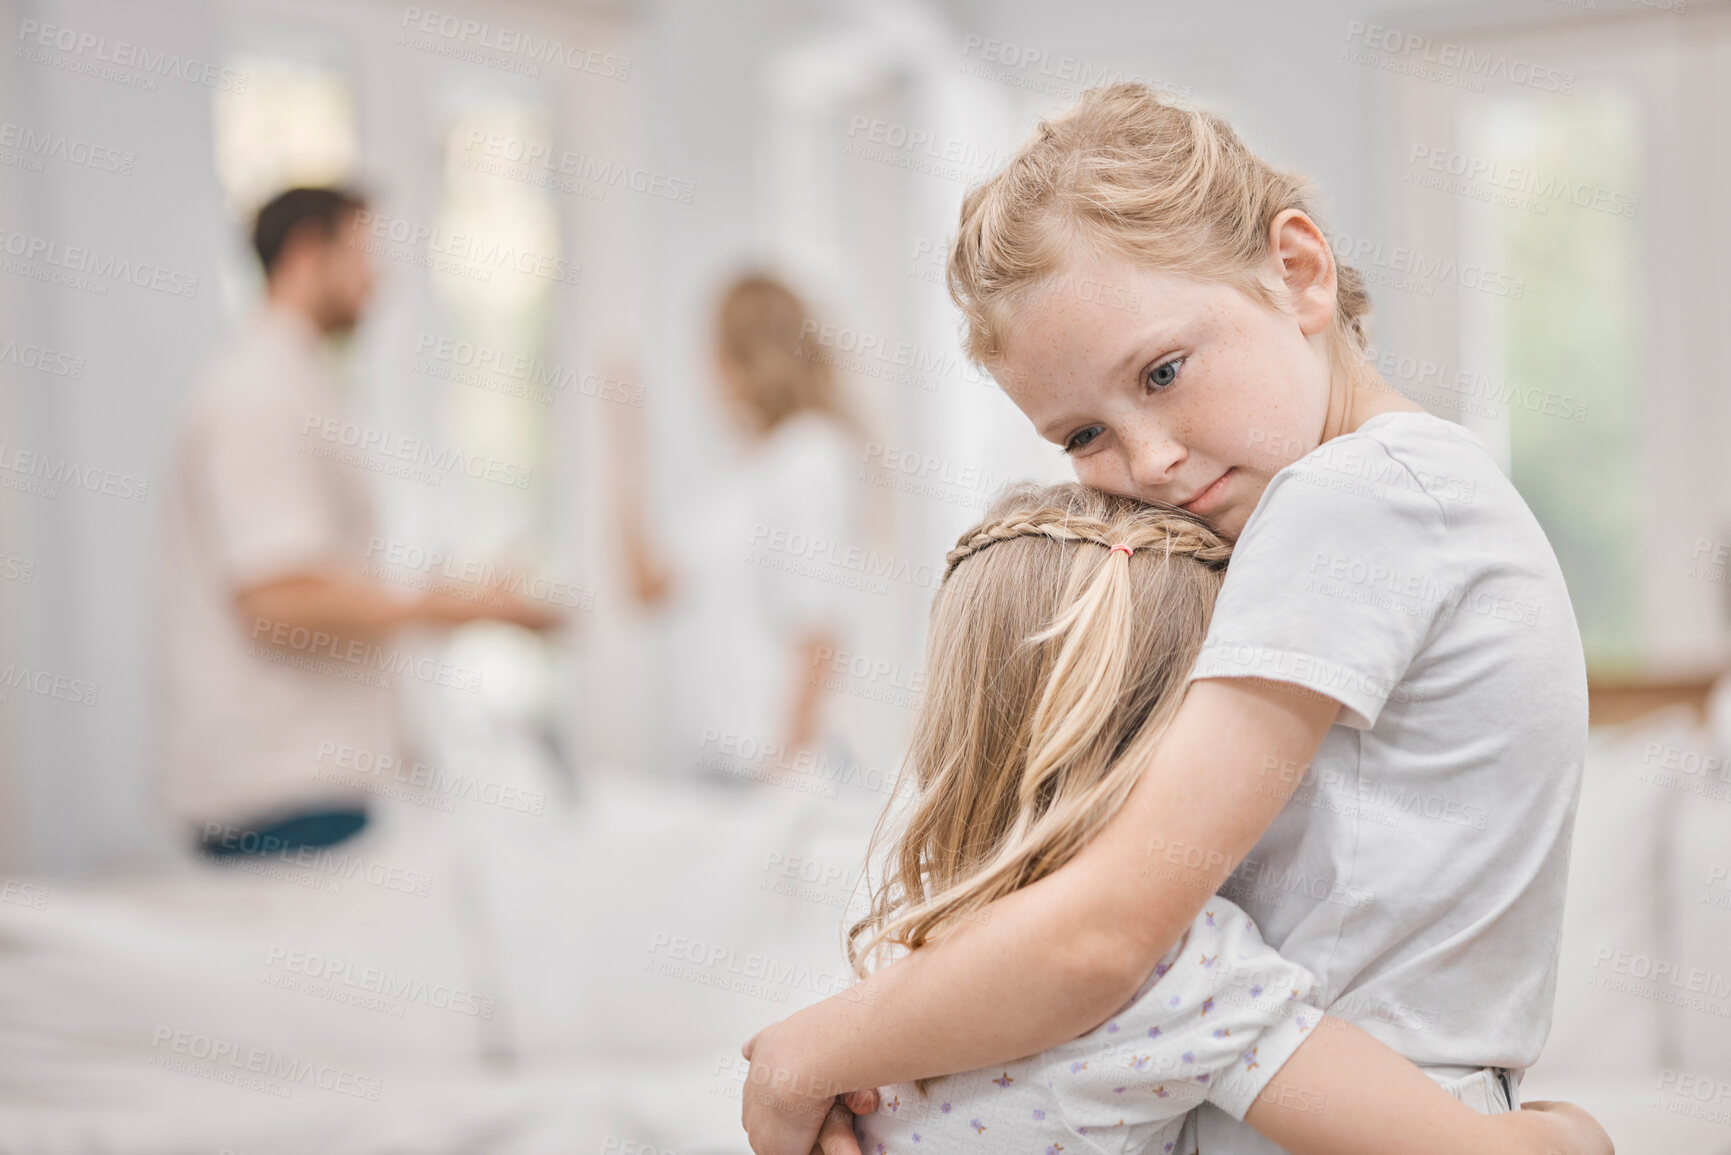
x=1060 y=639
x=1379 y=748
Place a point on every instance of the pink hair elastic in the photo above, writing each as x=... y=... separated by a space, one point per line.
x=1128 y=550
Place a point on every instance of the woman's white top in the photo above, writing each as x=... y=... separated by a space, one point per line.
x=1214 y=1022
x=751 y=562
x=1418 y=869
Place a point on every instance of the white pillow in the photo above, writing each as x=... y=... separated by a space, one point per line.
x=1602 y=1024
x=667 y=924
x=1697 y=903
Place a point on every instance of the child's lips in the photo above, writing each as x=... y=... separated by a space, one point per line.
x=1211 y=497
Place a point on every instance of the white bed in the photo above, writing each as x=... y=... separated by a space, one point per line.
x=561 y=986
x=610 y=960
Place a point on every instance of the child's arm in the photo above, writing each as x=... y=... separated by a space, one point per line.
x=1344 y=1093
x=1069 y=950
x=1226 y=1021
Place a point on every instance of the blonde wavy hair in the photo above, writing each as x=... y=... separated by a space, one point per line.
x=1053 y=665
x=1128 y=173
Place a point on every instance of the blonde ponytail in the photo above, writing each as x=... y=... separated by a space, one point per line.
x=1054 y=664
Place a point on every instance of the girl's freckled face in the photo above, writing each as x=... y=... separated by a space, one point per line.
x=1167 y=388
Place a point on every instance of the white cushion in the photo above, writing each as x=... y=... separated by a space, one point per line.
x=1697 y=901
x=1609 y=918
x=664 y=925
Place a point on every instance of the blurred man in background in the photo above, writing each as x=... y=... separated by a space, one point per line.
x=276 y=644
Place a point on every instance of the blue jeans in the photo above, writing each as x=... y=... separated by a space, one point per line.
x=310 y=828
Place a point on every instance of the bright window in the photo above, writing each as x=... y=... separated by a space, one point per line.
x=1566 y=174
x=293 y=124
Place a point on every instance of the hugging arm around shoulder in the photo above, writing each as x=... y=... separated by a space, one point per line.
x=1283 y=657
x=1221 y=1013
x=1072 y=948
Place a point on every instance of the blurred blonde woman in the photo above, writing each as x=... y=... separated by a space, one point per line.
x=745 y=569
x=1060 y=644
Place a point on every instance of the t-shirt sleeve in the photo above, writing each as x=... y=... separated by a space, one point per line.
x=1219 y=1016
x=271 y=514
x=1335 y=582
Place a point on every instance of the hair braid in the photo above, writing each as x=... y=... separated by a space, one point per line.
x=1183 y=537
x=1051 y=674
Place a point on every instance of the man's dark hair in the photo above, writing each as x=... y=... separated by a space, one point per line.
x=289 y=210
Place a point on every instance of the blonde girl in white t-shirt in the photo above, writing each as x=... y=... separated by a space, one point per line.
x=1379 y=754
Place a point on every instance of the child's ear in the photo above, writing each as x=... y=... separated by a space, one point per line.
x=1302 y=266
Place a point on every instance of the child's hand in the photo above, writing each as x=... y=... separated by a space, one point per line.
x=861 y=1102
x=837 y=1137
x=781 y=1114
x=1566 y=1129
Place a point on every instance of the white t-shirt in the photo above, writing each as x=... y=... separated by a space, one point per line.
x=1418 y=869
x=761 y=558
x=1214 y=1022
x=251 y=728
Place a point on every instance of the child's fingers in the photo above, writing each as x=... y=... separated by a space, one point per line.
x=862 y=1102
x=837 y=1137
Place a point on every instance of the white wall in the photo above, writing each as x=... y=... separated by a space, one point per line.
x=81 y=771
x=720 y=95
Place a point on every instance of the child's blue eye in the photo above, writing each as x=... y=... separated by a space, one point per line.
x=1159 y=377
x=1083 y=437
x=1163 y=374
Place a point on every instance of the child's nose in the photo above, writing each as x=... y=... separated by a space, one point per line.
x=1154 y=461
